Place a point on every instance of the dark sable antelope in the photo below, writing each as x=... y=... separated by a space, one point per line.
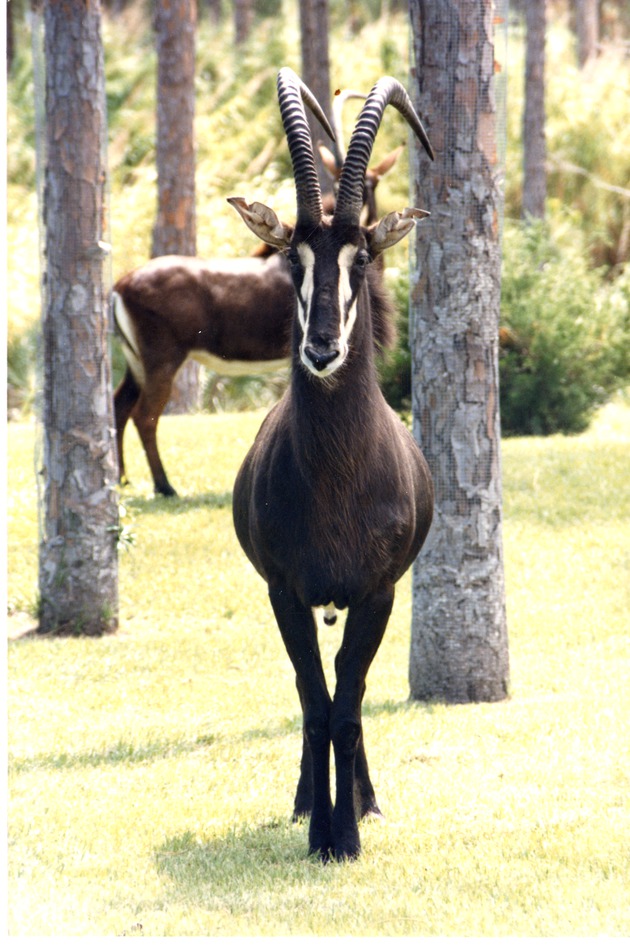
x=334 y=499
x=233 y=316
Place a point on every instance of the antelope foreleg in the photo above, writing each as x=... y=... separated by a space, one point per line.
x=299 y=633
x=363 y=633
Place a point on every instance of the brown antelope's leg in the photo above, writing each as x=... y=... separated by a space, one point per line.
x=148 y=410
x=125 y=397
x=299 y=632
x=362 y=636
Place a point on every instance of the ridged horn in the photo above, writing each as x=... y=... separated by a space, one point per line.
x=387 y=91
x=293 y=94
x=339 y=100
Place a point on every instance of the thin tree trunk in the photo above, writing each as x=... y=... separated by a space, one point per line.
x=215 y=10
x=10 y=36
x=243 y=19
x=534 y=145
x=314 y=28
x=78 y=567
x=459 y=649
x=175 y=226
x=587 y=29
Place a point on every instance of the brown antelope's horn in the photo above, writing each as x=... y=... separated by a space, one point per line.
x=386 y=91
x=292 y=95
x=337 y=109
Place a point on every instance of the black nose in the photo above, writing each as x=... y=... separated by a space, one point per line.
x=320 y=358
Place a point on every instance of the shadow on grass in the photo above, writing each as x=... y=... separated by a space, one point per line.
x=251 y=859
x=124 y=752
x=120 y=752
x=177 y=505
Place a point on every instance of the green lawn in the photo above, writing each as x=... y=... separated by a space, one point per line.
x=152 y=772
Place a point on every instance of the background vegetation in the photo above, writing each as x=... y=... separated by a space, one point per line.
x=151 y=773
x=566 y=298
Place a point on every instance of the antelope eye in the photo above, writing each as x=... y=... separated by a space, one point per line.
x=362 y=259
x=294 y=259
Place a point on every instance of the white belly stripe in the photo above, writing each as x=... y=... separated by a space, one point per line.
x=237 y=368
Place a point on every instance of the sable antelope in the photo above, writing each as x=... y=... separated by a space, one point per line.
x=334 y=499
x=233 y=316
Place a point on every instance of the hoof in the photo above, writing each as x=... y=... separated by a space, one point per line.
x=167 y=491
x=347 y=851
x=320 y=843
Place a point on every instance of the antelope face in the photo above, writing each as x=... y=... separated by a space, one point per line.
x=328 y=270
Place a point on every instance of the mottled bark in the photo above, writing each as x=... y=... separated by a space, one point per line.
x=534 y=144
x=459 y=647
x=78 y=567
x=175 y=228
x=316 y=72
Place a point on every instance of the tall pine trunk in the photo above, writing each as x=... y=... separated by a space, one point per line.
x=587 y=29
x=534 y=143
x=175 y=229
x=78 y=565
x=316 y=71
x=459 y=649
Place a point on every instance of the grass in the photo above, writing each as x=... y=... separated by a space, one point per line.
x=152 y=772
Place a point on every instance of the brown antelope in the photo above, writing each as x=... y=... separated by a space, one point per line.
x=233 y=316
x=334 y=499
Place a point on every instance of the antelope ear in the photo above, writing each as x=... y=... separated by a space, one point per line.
x=392 y=228
x=329 y=161
x=263 y=222
x=379 y=170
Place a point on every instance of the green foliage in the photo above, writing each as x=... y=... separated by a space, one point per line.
x=395 y=365
x=21 y=361
x=151 y=772
x=241 y=150
x=565 y=334
x=588 y=141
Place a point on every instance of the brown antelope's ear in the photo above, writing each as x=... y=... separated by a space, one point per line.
x=329 y=161
x=379 y=170
x=392 y=228
x=263 y=222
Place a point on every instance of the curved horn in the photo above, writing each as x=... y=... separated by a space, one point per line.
x=386 y=91
x=339 y=100
x=292 y=95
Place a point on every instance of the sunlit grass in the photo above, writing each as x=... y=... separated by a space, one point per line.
x=152 y=772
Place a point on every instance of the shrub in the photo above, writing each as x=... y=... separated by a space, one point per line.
x=564 y=334
x=395 y=365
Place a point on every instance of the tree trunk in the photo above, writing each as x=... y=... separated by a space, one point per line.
x=10 y=36
x=78 y=566
x=175 y=227
x=243 y=19
x=587 y=29
x=215 y=11
x=534 y=146
x=316 y=72
x=459 y=650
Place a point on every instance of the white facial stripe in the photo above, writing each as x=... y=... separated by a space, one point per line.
x=347 y=306
x=346 y=259
x=307 y=258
